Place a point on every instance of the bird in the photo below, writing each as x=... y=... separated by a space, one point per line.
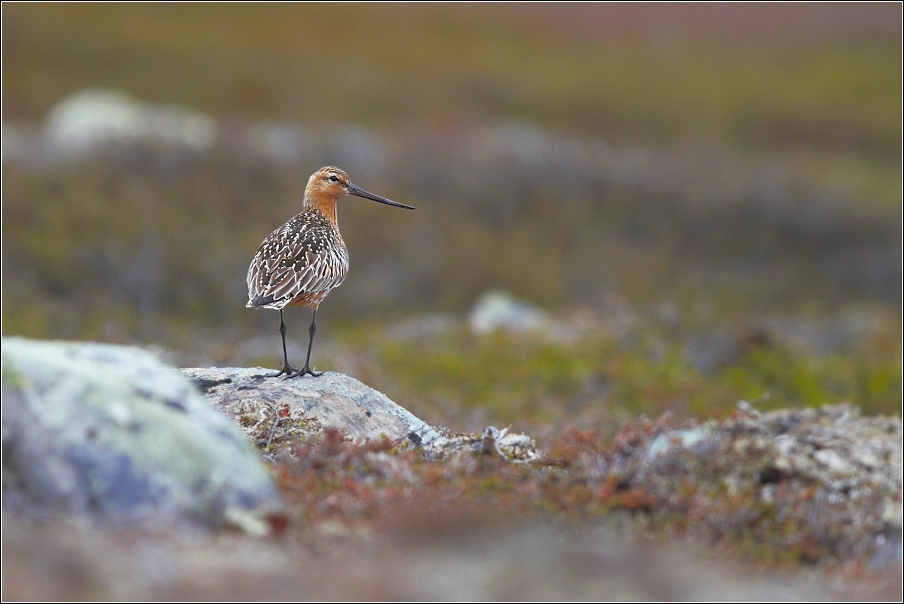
x=302 y=261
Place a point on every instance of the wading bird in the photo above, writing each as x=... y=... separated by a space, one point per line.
x=301 y=261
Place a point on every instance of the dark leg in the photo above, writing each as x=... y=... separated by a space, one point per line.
x=286 y=368
x=306 y=370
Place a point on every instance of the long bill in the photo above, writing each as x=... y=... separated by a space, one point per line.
x=353 y=190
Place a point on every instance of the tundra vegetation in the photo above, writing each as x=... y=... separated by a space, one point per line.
x=703 y=214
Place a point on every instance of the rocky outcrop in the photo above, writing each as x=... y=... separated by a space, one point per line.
x=110 y=432
x=274 y=411
x=826 y=478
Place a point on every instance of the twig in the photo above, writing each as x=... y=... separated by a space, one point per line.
x=272 y=431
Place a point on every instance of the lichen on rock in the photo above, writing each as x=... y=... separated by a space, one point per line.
x=111 y=433
x=301 y=407
x=509 y=446
x=808 y=480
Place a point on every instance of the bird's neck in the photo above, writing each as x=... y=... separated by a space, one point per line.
x=326 y=207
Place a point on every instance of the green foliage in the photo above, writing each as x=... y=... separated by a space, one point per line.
x=532 y=382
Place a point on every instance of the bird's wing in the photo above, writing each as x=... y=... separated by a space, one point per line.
x=293 y=260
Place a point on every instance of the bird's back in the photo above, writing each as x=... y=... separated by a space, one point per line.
x=300 y=261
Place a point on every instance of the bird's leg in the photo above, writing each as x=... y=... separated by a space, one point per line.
x=306 y=370
x=286 y=368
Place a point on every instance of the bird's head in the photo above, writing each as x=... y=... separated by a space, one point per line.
x=328 y=184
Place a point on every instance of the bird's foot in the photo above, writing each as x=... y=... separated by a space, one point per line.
x=287 y=370
x=306 y=370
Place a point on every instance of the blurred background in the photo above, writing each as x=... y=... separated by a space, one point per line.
x=621 y=209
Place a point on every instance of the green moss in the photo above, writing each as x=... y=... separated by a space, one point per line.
x=775 y=377
x=531 y=381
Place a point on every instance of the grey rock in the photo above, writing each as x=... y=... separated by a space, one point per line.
x=306 y=405
x=835 y=473
x=497 y=309
x=280 y=141
x=93 y=117
x=112 y=433
x=510 y=446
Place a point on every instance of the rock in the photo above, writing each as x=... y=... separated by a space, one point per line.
x=510 y=446
x=834 y=476
x=89 y=118
x=498 y=310
x=280 y=141
x=306 y=405
x=110 y=432
x=834 y=463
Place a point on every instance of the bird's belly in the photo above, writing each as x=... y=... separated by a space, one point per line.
x=311 y=299
x=331 y=280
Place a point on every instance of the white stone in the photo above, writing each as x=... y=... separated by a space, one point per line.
x=91 y=118
x=833 y=462
x=497 y=309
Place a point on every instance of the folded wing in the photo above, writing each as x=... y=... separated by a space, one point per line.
x=304 y=256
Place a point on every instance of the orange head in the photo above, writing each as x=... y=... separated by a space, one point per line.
x=328 y=184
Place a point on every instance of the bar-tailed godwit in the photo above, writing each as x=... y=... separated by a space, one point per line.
x=299 y=263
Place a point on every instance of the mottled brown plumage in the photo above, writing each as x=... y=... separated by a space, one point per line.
x=302 y=260
x=299 y=263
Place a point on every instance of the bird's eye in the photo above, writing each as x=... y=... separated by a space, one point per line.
x=334 y=178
